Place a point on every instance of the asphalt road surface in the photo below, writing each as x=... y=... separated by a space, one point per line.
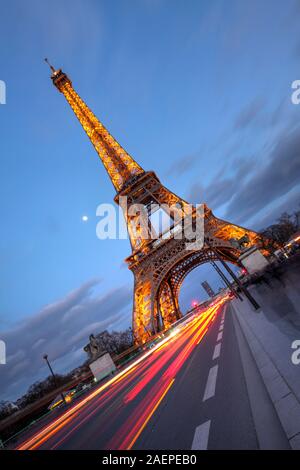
x=189 y=392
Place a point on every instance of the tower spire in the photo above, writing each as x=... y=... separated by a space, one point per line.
x=120 y=166
x=51 y=66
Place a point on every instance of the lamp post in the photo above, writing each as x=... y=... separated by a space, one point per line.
x=226 y=281
x=234 y=277
x=53 y=375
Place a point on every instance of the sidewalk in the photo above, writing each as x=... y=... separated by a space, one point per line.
x=269 y=333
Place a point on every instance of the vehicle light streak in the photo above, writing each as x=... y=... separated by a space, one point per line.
x=129 y=432
x=148 y=376
x=93 y=409
x=110 y=394
x=74 y=409
x=204 y=333
x=133 y=427
x=182 y=357
x=156 y=405
x=143 y=370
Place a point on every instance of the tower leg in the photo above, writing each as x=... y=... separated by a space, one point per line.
x=168 y=304
x=153 y=313
x=144 y=317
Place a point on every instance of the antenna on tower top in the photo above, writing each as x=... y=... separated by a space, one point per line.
x=51 y=67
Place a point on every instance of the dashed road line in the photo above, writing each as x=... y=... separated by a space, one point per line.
x=200 y=440
x=211 y=383
x=201 y=436
x=217 y=351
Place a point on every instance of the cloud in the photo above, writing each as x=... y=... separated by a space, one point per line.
x=222 y=188
x=254 y=191
x=289 y=204
x=93 y=328
x=182 y=165
x=38 y=343
x=271 y=180
x=60 y=329
x=249 y=114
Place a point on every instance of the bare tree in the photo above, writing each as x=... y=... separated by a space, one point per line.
x=286 y=225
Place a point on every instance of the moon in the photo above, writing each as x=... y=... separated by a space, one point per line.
x=84 y=218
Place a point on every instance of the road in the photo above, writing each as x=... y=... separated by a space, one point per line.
x=189 y=392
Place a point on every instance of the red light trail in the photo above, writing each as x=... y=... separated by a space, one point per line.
x=162 y=362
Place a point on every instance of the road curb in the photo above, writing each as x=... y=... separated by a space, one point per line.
x=284 y=400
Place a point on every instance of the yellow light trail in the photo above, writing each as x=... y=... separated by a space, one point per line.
x=49 y=430
x=164 y=393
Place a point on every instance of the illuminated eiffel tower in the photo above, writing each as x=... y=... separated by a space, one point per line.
x=159 y=265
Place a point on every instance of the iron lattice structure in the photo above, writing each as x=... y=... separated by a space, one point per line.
x=159 y=266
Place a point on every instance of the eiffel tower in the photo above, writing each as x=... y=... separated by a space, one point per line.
x=159 y=264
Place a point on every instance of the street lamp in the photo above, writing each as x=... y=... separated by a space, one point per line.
x=225 y=280
x=235 y=278
x=53 y=375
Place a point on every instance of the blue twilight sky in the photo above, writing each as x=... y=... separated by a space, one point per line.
x=198 y=90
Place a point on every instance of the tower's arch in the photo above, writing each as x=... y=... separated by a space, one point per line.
x=167 y=291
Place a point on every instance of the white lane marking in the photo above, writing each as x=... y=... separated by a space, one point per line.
x=201 y=435
x=217 y=351
x=221 y=327
x=220 y=336
x=211 y=383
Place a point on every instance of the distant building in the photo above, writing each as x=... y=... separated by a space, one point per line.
x=208 y=289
